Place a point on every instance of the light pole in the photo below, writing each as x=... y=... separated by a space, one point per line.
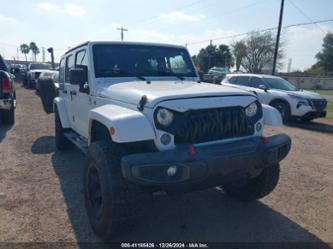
x=278 y=38
x=122 y=29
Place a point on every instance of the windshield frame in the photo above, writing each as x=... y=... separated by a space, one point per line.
x=153 y=74
x=288 y=85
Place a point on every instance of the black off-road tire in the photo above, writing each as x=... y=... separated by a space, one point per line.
x=47 y=93
x=284 y=110
x=62 y=143
x=255 y=188
x=7 y=117
x=111 y=203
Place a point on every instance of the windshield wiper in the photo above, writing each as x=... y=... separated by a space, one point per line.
x=163 y=73
x=123 y=73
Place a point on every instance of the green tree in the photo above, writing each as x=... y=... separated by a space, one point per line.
x=239 y=52
x=25 y=49
x=212 y=55
x=34 y=49
x=325 y=56
x=260 y=52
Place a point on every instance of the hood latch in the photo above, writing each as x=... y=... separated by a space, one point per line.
x=142 y=103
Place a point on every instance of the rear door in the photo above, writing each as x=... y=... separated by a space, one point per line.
x=67 y=88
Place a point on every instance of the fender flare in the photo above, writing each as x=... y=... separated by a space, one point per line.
x=128 y=125
x=271 y=115
x=279 y=99
x=59 y=103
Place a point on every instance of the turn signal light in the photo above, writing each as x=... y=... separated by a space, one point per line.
x=264 y=140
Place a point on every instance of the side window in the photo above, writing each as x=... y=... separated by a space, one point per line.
x=256 y=82
x=81 y=58
x=62 y=72
x=243 y=80
x=81 y=61
x=69 y=65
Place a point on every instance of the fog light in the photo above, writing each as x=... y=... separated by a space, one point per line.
x=258 y=127
x=165 y=139
x=172 y=170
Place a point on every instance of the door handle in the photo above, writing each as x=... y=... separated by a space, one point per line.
x=72 y=93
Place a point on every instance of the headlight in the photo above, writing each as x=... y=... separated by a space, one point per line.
x=295 y=96
x=164 y=117
x=251 y=110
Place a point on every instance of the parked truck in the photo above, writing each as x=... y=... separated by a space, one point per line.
x=146 y=123
x=7 y=95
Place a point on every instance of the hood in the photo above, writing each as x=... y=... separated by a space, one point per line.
x=158 y=91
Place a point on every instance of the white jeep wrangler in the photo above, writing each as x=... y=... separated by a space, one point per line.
x=146 y=123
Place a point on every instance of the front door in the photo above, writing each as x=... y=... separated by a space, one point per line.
x=81 y=99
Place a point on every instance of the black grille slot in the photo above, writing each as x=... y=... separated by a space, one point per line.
x=213 y=124
x=37 y=75
x=319 y=104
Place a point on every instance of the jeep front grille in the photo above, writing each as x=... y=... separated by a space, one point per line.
x=199 y=126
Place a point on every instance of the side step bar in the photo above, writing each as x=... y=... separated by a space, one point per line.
x=77 y=140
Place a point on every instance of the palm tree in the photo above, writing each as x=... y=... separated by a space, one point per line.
x=34 y=49
x=25 y=50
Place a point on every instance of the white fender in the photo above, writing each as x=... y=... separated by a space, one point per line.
x=129 y=125
x=60 y=103
x=271 y=116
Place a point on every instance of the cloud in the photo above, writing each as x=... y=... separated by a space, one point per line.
x=48 y=6
x=68 y=8
x=302 y=44
x=180 y=16
x=7 y=19
x=74 y=10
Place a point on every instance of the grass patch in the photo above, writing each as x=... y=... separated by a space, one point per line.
x=330 y=110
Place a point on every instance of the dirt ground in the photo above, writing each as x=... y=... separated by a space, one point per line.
x=41 y=197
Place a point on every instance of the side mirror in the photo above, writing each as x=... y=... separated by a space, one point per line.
x=79 y=76
x=263 y=87
x=76 y=76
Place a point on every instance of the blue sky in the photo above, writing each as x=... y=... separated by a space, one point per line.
x=64 y=24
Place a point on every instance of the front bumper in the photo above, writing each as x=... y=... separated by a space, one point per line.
x=6 y=104
x=314 y=114
x=205 y=166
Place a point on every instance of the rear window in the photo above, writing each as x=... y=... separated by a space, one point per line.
x=233 y=80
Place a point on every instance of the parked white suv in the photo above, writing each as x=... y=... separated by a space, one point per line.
x=281 y=94
x=146 y=123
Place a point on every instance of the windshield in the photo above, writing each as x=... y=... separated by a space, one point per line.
x=40 y=66
x=281 y=84
x=112 y=60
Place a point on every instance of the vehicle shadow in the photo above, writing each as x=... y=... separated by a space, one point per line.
x=322 y=125
x=43 y=145
x=205 y=216
x=3 y=130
